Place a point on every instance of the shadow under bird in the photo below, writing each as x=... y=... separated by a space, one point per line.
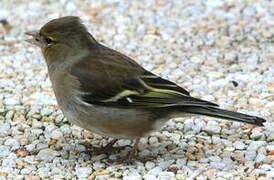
x=108 y=93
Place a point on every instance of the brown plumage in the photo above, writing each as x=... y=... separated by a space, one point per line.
x=110 y=94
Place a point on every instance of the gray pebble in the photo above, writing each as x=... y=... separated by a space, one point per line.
x=56 y=134
x=255 y=145
x=166 y=175
x=150 y=177
x=250 y=155
x=270 y=148
x=256 y=135
x=25 y=171
x=46 y=154
x=83 y=172
x=149 y=165
x=212 y=129
x=260 y=158
x=4 y=129
x=239 y=145
x=4 y=151
x=30 y=147
x=155 y=171
x=270 y=137
x=270 y=174
x=12 y=143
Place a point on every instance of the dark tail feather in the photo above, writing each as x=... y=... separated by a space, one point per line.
x=224 y=114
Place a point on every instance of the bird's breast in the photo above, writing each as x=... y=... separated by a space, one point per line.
x=67 y=92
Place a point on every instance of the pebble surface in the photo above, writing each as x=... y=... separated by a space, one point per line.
x=219 y=50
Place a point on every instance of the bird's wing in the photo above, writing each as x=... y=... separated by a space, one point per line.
x=116 y=80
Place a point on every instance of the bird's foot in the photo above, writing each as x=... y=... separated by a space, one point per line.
x=130 y=157
x=109 y=148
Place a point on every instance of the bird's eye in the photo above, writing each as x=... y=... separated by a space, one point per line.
x=48 y=40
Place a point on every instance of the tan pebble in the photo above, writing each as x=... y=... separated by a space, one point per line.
x=66 y=135
x=259 y=129
x=20 y=165
x=36 y=69
x=93 y=12
x=6 y=76
x=233 y=172
x=87 y=134
x=36 y=124
x=226 y=61
x=22 y=152
x=170 y=147
x=242 y=167
x=215 y=74
x=249 y=178
x=161 y=2
x=263 y=178
x=22 y=139
x=271 y=157
x=162 y=138
x=191 y=157
x=3 y=173
x=202 y=165
x=31 y=177
x=192 y=149
x=52 y=142
x=271 y=153
x=163 y=152
x=88 y=145
x=46 y=119
x=209 y=173
x=248 y=126
x=199 y=156
x=97 y=173
x=239 y=159
x=96 y=136
x=153 y=31
x=252 y=176
x=218 y=147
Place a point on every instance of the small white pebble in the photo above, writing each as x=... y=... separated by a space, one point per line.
x=239 y=145
x=83 y=172
x=149 y=165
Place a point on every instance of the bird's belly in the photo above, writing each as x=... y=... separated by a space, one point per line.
x=113 y=122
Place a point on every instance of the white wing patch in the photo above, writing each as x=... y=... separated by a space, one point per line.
x=122 y=95
x=129 y=100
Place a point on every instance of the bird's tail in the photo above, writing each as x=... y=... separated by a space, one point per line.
x=224 y=114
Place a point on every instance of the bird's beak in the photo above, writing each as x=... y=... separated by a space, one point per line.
x=36 y=38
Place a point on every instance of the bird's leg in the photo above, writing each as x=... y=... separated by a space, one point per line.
x=132 y=155
x=109 y=148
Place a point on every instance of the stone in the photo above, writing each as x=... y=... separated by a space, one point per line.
x=83 y=172
x=4 y=151
x=239 y=145
x=46 y=154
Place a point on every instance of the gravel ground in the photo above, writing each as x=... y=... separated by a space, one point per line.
x=219 y=50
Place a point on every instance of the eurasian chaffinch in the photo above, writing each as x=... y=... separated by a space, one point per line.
x=106 y=92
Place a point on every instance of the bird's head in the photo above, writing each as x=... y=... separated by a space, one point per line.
x=61 y=38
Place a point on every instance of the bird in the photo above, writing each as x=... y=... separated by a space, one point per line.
x=110 y=94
